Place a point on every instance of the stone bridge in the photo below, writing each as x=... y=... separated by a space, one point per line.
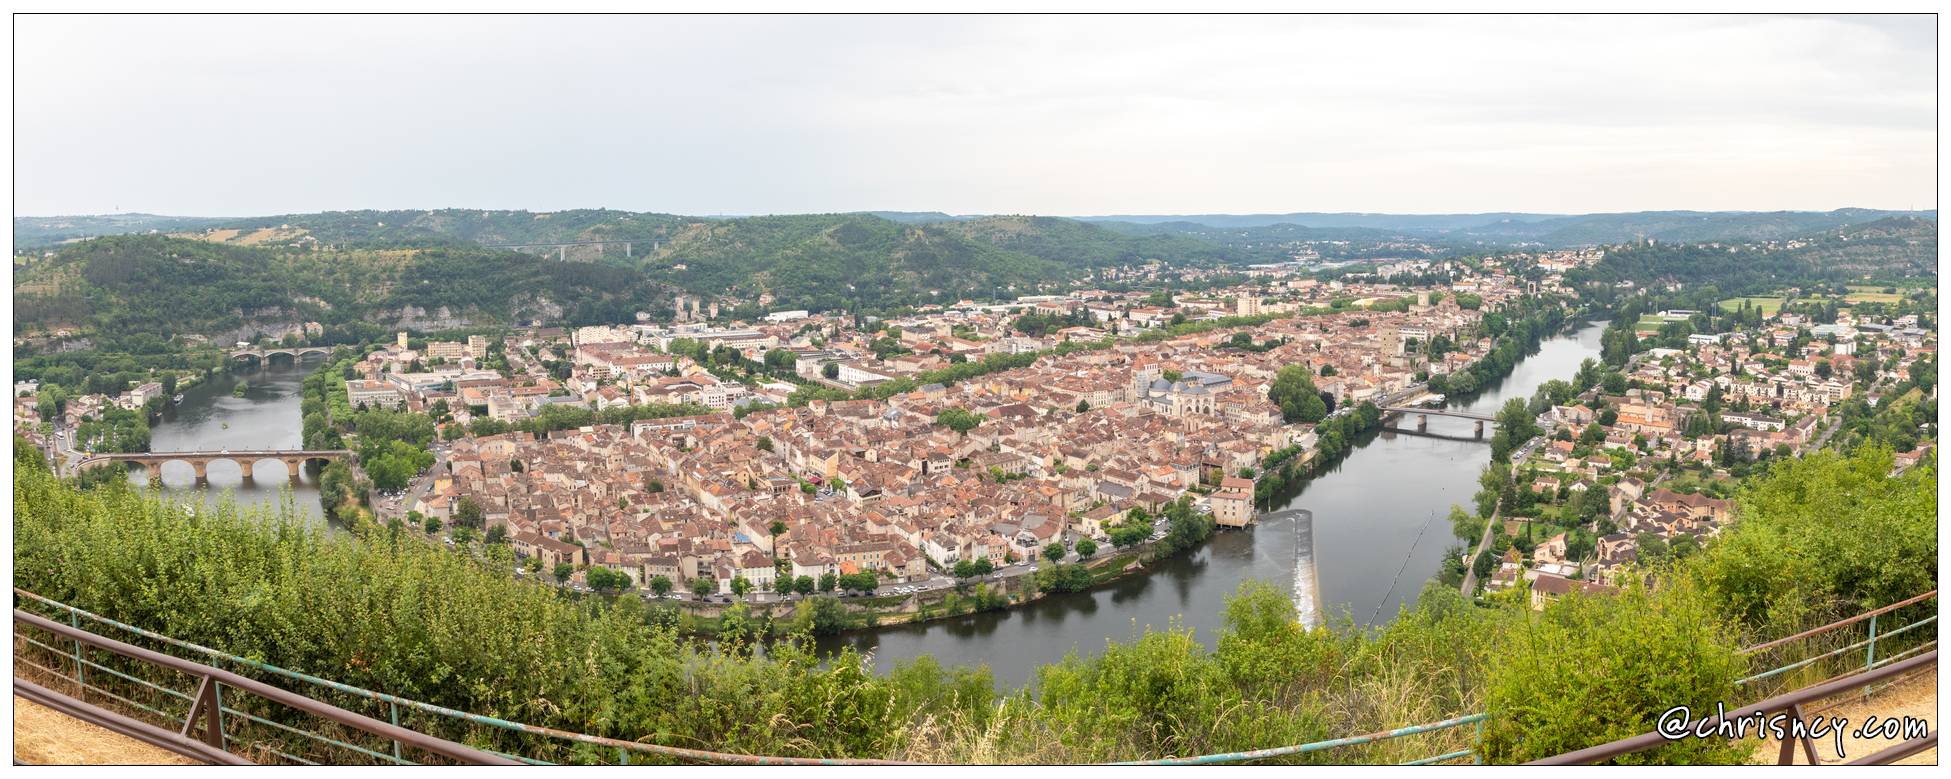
x=295 y=352
x=294 y=460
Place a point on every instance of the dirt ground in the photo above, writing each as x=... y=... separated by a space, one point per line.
x=1914 y=697
x=43 y=736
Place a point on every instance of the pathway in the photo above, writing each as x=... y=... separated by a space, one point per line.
x=1914 y=697
x=43 y=736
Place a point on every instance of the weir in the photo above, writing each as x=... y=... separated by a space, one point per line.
x=1307 y=580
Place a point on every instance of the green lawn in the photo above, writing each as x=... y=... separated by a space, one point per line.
x=1769 y=305
x=1869 y=294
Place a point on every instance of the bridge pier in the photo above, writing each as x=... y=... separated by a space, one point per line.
x=202 y=472
x=1480 y=428
x=155 y=472
x=296 y=468
x=562 y=253
x=1422 y=423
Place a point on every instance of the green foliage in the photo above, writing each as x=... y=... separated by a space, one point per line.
x=1294 y=392
x=1823 y=536
x=1060 y=577
x=129 y=290
x=1596 y=669
x=958 y=419
x=606 y=579
x=115 y=430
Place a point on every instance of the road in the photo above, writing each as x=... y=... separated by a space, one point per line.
x=1469 y=568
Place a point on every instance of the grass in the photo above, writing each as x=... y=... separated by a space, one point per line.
x=1769 y=305
x=1869 y=294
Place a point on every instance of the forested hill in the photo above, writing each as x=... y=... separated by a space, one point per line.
x=816 y=261
x=860 y=260
x=142 y=290
x=1886 y=248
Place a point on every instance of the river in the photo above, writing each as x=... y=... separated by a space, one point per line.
x=1379 y=527
x=211 y=417
x=1379 y=531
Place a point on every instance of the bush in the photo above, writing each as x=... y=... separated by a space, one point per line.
x=1597 y=669
x=1821 y=537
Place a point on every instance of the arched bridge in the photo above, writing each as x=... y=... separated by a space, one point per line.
x=1423 y=415
x=295 y=352
x=294 y=460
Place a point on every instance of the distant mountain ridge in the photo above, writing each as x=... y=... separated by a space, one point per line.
x=1483 y=230
x=1552 y=230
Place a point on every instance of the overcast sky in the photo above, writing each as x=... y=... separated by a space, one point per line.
x=242 y=116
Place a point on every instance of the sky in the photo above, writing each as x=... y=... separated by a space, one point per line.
x=243 y=115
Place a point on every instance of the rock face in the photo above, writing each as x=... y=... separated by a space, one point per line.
x=417 y=318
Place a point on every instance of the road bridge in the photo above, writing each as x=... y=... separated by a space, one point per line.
x=294 y=352
x=1423 y=415
x=562 y=247
x=247 y=460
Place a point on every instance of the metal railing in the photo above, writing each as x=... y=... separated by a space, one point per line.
x=1790 y=703
x=623 y=748
x=205 y=721
x=1869 y=645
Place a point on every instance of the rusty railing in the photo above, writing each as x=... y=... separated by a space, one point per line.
x=1789 y=703
x=202 y=734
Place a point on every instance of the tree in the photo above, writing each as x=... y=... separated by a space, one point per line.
x=1294 y=392
x=431 y=525
x=828 y=581
x=1083 y=406
x=1652 y=549
x=496 y=535
x=1054 y=552
x=804 y=585
x=830 y=370
x=564 y=570
x=468 y=513
x=1085 y=548
x=661 y=585
x=607 y=579
x=702 y=586
x=741 y=586
x=959 y=420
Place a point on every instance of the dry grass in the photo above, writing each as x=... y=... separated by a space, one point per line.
x=1913 y=697
x=43 y=736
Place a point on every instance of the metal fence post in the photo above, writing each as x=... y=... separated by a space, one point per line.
x=81 y=671
x=1477 y=745
x=393 y=711
x=1869 y=655
x=217 y=713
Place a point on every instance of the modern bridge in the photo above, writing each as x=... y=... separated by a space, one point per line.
x=1423 y=415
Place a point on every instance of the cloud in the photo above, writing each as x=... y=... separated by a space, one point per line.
x=1059 y=115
